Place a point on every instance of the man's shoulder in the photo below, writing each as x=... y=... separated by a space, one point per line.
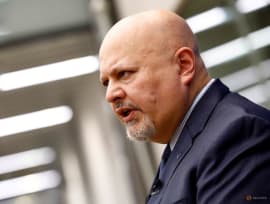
x=241 y=107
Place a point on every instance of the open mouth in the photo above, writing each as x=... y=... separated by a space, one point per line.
x=125 y=113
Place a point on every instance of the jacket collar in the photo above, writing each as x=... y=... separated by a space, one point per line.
x=195 y=124
x=193 y=127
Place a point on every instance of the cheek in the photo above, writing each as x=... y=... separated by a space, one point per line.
x=144 y=95
x=147 y=92
x=169 y=98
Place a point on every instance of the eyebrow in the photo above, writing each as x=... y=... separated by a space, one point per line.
x=115 y=69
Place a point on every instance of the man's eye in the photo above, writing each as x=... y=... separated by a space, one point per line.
x=123 y=74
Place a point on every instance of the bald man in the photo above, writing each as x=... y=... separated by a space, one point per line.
x=217 y=141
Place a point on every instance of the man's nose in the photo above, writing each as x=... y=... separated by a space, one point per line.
x=114 y=93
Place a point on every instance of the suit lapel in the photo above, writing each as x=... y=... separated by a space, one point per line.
x=205 y=107
x=193 y=127
x=181 y=148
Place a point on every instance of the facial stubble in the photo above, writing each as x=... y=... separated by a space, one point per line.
x=140 y=130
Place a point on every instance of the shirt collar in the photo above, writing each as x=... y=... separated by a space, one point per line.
x=180 y=127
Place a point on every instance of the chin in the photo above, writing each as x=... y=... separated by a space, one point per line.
x=143 y=131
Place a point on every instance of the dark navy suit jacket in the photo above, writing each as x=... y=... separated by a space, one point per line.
x=222 y=155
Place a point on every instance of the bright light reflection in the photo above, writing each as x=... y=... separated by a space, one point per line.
x=248 y=76
x=246 y=6
x=260 y=38
x=257 y=93
x=47 y=73
x=35 y=120
x=236 y=48
x=26 y=159
x=225 y=52
x=208 y=19
x=29 y=184
x=4 y=33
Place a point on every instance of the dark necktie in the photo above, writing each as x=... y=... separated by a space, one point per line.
x=158 y=183
x=164 y=159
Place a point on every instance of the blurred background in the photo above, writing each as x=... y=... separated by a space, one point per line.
x=59 y=142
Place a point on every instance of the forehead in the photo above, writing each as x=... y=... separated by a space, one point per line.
x=134 y=50
x=113 y=64
x=119 y=55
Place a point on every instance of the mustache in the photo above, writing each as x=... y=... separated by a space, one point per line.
x=121 y=104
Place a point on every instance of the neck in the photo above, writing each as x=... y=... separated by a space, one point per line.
x=201 y=78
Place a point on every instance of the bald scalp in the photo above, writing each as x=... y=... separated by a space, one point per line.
x=155 y=30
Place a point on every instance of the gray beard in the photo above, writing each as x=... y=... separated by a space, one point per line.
x=143 y=131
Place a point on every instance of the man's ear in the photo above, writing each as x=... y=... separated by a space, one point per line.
x=185 y=58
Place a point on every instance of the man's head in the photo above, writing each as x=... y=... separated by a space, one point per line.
x=152 y=69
